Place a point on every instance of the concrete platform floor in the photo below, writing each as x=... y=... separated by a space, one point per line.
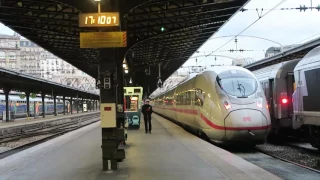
x=168 y=153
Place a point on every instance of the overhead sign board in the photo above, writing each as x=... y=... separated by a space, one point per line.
x=99 y=19
x=103 y=39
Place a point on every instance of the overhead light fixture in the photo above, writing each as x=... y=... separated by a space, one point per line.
x=130 y=81
x=126 y=71
x=124 y=65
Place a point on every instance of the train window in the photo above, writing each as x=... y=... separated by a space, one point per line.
x=183 y=98
x=177 y=100
x=188 y=98
x=238 y=83
x=179 y=97
x=199 y=98
x=266 y=88
x=169 y=101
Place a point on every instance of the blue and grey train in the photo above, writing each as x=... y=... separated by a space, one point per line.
x=18 y=106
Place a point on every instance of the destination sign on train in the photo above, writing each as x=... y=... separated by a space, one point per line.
x=99 y=19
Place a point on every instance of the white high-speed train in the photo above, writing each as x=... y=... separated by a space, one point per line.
x=225 y=103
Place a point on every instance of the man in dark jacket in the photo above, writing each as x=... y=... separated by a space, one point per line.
x=147 y=111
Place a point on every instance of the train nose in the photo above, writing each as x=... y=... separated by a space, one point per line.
x=244 y=125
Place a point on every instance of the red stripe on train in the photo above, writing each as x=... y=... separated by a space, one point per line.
x=211 y=124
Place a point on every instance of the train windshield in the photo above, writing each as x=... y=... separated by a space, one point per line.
x=237 y=83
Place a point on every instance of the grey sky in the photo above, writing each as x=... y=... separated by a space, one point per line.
x=5 y=30
x=283 y=26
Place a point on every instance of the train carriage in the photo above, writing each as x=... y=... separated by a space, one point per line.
x=307 y=96
x=224 y=103
x=278 y=85
x=18 y=106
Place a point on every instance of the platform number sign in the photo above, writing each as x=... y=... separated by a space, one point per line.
x=107 y=82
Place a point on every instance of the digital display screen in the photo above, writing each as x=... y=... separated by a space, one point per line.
x=99 y=19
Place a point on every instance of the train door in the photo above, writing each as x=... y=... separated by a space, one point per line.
x=290 y=90
x=271 y=98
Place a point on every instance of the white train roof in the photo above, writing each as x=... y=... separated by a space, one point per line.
x=310 y=60
x=168 y=86
x=17 y=98
x=268 y=72
x=219 y=69
x=276 y=71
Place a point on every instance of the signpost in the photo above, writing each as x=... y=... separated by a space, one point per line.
x=103 y=39
x=111 y=135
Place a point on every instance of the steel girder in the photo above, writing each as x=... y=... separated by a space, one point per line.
x=187 y=25
x=23 y=82
x=79 y=82
x=53 y=25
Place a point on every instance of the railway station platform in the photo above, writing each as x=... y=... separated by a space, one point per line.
x=25 y=123
x=169 y=153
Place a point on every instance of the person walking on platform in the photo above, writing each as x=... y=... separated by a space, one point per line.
x=147 y=111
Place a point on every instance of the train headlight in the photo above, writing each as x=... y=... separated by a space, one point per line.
x=226 y=104
x=259 y=102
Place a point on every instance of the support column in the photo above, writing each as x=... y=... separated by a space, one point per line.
x=120 y=95
x=55 y=105
x=112 y=135
x=43 y=105
x=77 y=105
x=6 y=92
x=64 y=105
x=71 y=104
x=28 y=104
x=82 y=105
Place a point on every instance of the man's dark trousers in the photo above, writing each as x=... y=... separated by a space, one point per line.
x=147 y=121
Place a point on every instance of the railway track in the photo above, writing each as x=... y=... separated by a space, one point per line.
x=288 y=161
x=14 y=143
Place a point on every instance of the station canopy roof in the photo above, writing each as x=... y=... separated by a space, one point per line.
x=159 y=31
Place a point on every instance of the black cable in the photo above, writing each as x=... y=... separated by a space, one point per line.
x=281 y=2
